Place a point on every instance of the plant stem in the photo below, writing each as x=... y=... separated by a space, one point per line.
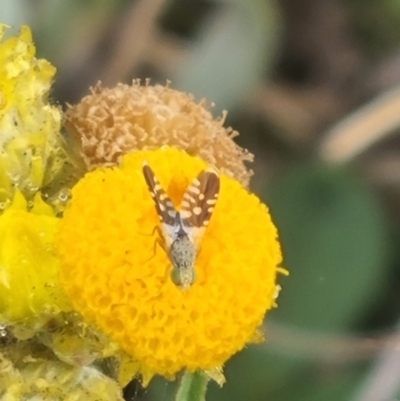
x=192 y=387
x=362 y=129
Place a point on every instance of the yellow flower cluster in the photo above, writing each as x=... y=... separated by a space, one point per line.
x=28 y=373
x=29 y=283
x=29 y=125
x=95 y=283
x=119 y=279
x=29 y=128
x=44 y=343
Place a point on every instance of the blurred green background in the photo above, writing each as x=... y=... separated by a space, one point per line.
x=313 y=86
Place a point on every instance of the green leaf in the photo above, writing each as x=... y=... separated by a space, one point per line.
x=334 y=238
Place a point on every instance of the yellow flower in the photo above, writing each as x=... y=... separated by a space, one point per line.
x=32 y=150
x=119 y=278
x=29 y=282
x=41 y=376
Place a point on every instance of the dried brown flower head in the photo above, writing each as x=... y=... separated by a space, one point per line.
x=113 y=122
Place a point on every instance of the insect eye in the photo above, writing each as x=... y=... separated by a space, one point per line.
x=176 y=276
x=177 y=279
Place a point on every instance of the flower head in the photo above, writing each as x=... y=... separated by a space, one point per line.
x=32 y=155
x=118 y=277
x=114 y=122
x=42 y=377
x=32 y=150
x=28 y=124
x=29 y=283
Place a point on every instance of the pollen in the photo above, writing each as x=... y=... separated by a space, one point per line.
x=120 y=279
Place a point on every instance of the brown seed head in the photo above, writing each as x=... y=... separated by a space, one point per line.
x=113 y=122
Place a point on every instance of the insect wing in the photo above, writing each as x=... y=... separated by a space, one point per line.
x=198 y=204
x=165 y=208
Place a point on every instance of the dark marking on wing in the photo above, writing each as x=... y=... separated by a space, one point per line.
x=200 y=199
x=164 y=206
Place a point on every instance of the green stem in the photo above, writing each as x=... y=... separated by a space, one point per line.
x=192 y=387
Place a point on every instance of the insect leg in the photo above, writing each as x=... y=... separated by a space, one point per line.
x=158 y=241
x=156 y=229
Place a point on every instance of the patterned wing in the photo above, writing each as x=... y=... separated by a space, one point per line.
x=198 y=204
x=166 y=211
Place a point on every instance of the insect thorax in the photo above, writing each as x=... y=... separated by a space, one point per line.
x=182 y=252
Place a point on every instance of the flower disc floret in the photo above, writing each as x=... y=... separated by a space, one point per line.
x=119 y=277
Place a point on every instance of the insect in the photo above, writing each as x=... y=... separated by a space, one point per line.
x=183 y=230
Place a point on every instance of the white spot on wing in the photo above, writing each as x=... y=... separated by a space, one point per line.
x=185 y=204
x=197 y=210
x=185 y=214
x=195 y=190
